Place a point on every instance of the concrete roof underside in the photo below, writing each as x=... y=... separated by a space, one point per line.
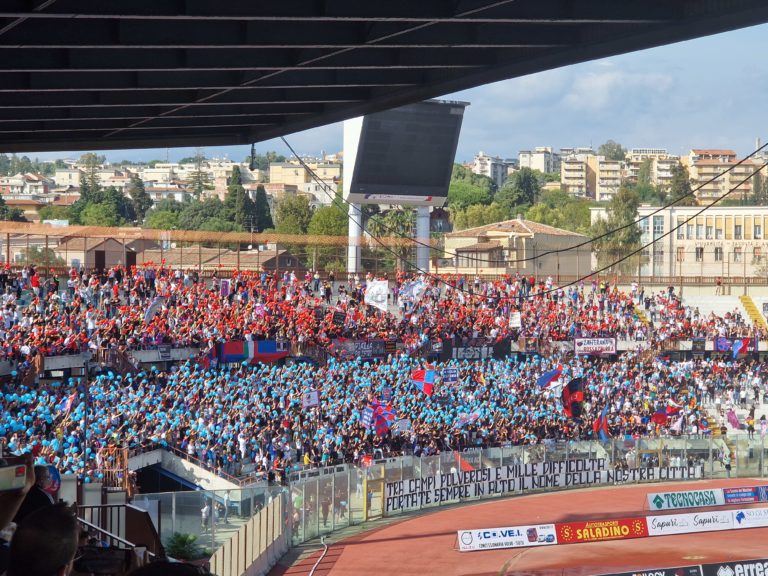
x=96 y=74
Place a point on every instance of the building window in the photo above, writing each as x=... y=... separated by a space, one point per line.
x=737 y=254
x=718 y=254
x=718 y=233
x=658 y=226
x=699 y=231
x=690 y=232
x=710 y=232
x=737 y=231
x=699 y=254
x=680 y=254
x=758 y=231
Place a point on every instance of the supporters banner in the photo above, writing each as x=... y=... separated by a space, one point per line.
x=689 y=523
x=310 y=399
x=698 y=345
x=512 y=537
x=364 y=349
x=450 y=375
x=412 y=494
x=601 y=530
x=686 y=499
x=481 y=351
x=594 y=345
x=515 y=320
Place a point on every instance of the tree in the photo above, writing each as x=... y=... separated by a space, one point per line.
x=759 y=190
x=462 y=193
x=293 y=215
x=220 y=225
x=54 y=213
x=680 y=187
x=198 y=212
x=328 y=221
x=467 y=188
x=240 y=208
x=141 y=201
x=263 y=215
x=12 y=214
x=100 y=214
x=42 y=257
x=199 y=179
x=477 y=215
x=612 y=151
x=519 y=191
x=645 y=172
x=621 y=213
x=169 y=205
x=162 y=220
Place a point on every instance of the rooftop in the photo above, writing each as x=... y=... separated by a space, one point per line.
x=517 y=226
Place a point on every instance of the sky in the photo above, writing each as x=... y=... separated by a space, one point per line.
x=704 y=93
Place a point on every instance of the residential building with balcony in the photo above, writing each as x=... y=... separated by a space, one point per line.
x=707 y=170
x=609 y=175
x=661 y=165
x=491 y=166
x=541 y=158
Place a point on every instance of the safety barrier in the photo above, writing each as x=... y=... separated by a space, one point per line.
x=258 y=544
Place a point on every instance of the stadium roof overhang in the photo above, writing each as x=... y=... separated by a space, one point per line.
x=96 y=74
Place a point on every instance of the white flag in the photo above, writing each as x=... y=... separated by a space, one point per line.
x=515 y=320
x=376 y=294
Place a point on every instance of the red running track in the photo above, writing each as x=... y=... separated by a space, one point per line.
x=426 y=544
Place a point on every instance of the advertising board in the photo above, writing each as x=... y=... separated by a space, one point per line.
x=601 y=530
x=689 y=523
x=686 y=499
x=511 y=537
x=738 y=568
x=744 y=495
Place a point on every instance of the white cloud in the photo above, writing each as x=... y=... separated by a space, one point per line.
x=595 y=91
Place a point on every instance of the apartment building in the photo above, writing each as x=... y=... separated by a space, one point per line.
x=661 y=165
x=492 y=166
x=609 y=175
x=541 y=158
x=706 y=168
x=25 y=185
x=723 y=241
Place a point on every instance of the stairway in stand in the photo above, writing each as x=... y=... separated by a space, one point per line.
x=752 y=311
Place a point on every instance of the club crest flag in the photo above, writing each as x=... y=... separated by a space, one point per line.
x=376 y=294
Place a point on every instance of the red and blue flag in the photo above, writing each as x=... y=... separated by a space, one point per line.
x=548 y=377
x=424 y=380
x=572 y=397
x=740 y=346
x=383 y=416
x=600 y=427
x=66 y=404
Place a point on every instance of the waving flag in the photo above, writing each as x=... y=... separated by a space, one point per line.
x=66 y=404
x=740 y=346
x=465 y=419
x=383 y=416
x=376 y=294
x=600 y=427
x=572 y=397
x=548 y=377
x=733 y=419
x=463 y=464
x=660 y=417
x=152 y=309
x=424 y=380
x=673 y=407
